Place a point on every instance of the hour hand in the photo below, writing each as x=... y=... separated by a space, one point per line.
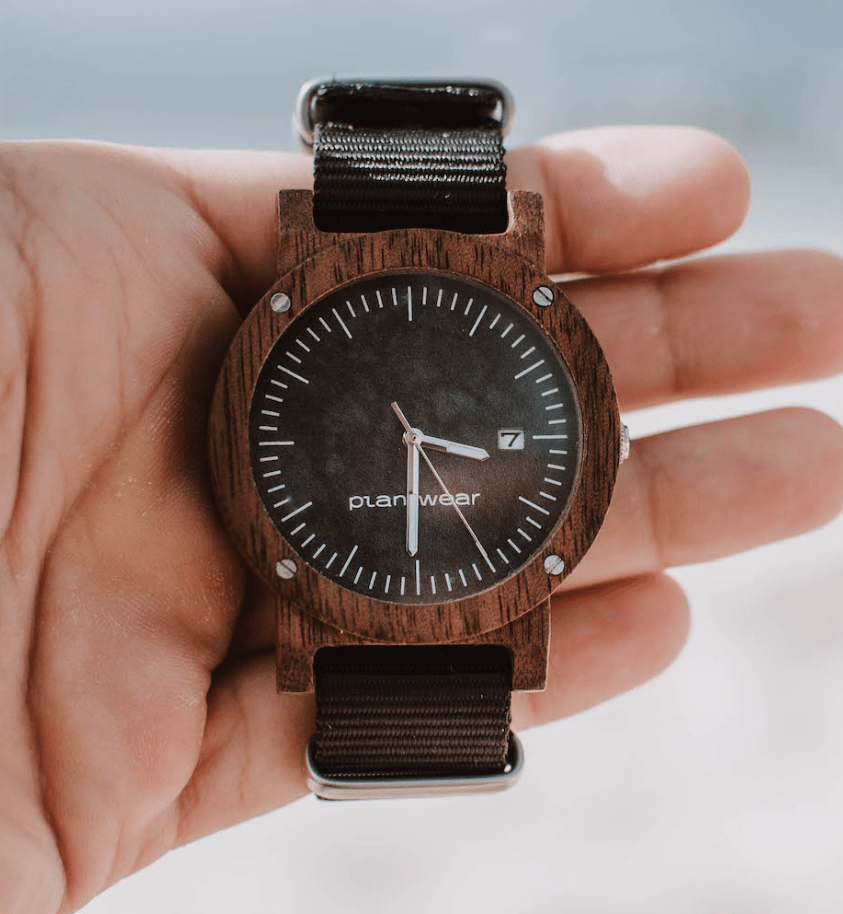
x=452 y=447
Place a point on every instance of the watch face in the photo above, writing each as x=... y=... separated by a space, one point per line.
x=415 y=437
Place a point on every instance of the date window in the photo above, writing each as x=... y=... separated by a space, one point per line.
x=510 y=439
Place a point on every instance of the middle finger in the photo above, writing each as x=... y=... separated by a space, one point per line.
x=717 y=325
x=707 y=491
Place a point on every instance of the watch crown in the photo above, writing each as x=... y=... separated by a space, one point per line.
x=624 y=442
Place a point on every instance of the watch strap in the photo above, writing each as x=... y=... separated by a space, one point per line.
x=390 y=156
x=412 y=711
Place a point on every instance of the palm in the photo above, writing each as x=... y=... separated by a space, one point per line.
x=137 y=674
x=122 y=590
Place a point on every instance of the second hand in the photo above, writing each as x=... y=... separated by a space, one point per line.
x=432 y=469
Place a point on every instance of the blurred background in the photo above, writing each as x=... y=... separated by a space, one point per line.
x=718 y=787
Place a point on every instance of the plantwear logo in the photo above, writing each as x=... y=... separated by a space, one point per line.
x=355 y=502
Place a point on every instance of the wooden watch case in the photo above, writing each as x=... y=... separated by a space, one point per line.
x=314 y=612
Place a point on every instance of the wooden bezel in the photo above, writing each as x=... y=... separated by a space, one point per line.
x=511 y=264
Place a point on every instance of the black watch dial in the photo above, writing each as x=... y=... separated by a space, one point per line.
x=415 y=437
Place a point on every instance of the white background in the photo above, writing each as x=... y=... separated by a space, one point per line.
x=717 y=788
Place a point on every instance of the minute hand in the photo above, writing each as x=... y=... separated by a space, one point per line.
x=452 y=447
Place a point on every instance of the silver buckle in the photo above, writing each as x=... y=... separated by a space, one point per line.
x=303 y=113
x=393 y=789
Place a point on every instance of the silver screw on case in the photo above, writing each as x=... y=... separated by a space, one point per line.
x=286 y=569
x=280 y=302
x=554 y=564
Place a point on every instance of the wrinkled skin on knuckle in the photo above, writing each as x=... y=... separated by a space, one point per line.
x=18 y=290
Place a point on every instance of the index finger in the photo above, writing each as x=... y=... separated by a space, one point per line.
x=616 y=198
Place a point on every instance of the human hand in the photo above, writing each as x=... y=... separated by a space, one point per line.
x=137 y=674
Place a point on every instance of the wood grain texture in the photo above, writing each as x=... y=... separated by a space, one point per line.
x=301 y=635
x=299 y=239
x=315 y=611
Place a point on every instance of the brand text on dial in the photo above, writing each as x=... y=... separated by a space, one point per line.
x=356 y=502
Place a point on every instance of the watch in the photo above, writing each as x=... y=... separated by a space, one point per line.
x=414 y=438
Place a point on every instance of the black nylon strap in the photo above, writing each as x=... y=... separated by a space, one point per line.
x=390 y=157
x=414 y=711
x=386 y=157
